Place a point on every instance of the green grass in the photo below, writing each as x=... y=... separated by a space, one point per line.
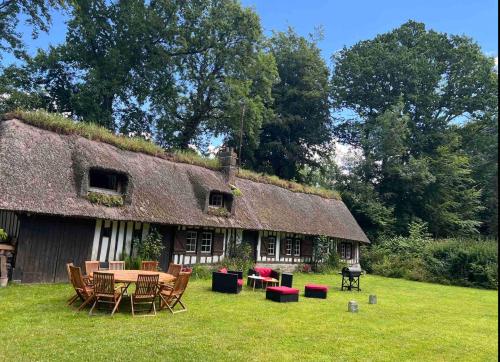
x=412 y=321
x=59 y=124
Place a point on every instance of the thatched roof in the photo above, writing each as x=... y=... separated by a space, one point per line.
x=46 y=172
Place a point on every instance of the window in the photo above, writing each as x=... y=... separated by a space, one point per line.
x=288 y=246
x=296 y=248
x=106 y=181
x=346 y=251
x=271 y=246
x=206 y=242
x=191 y=238
x=216 y=199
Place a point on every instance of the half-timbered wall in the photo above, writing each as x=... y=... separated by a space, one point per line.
x=113 y=239
x=281 y=255
x=222 y=240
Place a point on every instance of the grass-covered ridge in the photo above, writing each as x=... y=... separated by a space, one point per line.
x=59 y=124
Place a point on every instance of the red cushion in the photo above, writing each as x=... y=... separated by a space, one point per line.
x=264 y=272
x=223 y=270
x=240 y=282
x=283 y=290
x=318 y=287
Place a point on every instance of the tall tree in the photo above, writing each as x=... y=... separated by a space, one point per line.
x=228 y=71
x=300 y=130
x=415 y=166
x=37 y=14
x=480 y=142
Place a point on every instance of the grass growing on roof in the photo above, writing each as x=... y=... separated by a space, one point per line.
x=105 y=199
x=57 y=123
x=289 y=185
x=411 y=322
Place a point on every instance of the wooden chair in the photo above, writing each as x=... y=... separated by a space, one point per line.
x=149 y=265
x=170 y=296
x=84 y=291
x=92 y=266
x=174 y=269
x=76 y=296
x=116 y=265
x=105 y=291
x=146 y=291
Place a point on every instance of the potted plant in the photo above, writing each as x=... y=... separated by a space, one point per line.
x=4 y=278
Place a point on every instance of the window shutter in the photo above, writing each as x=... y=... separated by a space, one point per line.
x=263 y=246
x=306 y=248
x=218 y=244
x=180 y=241
x=282 y=246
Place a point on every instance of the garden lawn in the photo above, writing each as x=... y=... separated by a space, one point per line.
x=412 y=321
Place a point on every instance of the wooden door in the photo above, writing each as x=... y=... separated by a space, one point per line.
x=251 y=237
x=46 y=243
x=167 y=233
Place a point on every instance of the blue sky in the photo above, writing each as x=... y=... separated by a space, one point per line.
x=347 y=22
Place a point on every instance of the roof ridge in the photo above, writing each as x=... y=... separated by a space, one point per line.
x=57 y=123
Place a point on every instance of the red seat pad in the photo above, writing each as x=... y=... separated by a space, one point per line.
x=283 y=290
x=240 y=282
x=264 y=272
x=322 y=288
x=223 y=270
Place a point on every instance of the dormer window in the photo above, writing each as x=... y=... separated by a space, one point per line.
x=109 y=182
x=216 y=199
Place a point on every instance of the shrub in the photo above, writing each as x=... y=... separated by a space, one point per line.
x=202 y=271
x=132 y=263
x=151 y=247
x=240 y=258
x=3 y=235
x=465 y=262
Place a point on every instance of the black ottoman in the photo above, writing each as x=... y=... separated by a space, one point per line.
x=316 y=291
x=282 y=294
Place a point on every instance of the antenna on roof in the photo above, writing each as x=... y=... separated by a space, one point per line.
x=241 y=134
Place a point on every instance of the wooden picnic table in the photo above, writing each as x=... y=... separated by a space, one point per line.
x=130 y=276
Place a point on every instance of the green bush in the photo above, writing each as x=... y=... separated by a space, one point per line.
x=202 y=271
x=3 y=235
x=465 y=262
x=151 y=247
x=325 y=257
x=240 y=258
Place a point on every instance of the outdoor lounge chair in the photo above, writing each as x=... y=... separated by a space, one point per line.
x=170 y=296
x=116 y=265
x=105 y=291
x=84 y=291
x=263 y=272
x=146 y=291
x=227 y=281
x=149 y=265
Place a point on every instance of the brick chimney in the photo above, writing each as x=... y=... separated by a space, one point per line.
x=227 y=158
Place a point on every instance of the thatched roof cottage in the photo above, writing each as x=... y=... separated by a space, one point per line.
x=64 y=197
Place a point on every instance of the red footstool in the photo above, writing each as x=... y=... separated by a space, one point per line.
x=282 y=294
x=316 y=291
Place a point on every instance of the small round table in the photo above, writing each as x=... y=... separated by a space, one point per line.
x=265 y=280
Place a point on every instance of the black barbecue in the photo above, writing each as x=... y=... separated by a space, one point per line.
x=350 y=277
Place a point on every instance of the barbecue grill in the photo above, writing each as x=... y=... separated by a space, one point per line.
x=350 y=277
